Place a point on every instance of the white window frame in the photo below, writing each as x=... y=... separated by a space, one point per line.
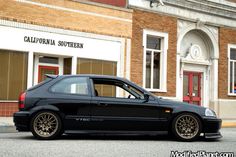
x=163 y=60
x=230 y=46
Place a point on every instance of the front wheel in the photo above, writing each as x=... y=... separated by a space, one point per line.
x=186 y=127
x=46 y=125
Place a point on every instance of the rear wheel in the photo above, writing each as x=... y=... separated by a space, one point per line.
x=186 y=127
x=46 y=125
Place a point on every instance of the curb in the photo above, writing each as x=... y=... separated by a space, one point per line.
x=228 y=124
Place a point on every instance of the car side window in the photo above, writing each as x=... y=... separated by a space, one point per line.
x=104 y=88
x=71 y=85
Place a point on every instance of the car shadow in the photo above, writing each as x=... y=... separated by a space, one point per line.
x=115 y=137
x=127 y=137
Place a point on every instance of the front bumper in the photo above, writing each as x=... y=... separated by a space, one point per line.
x=212 y=127
x=21 y=120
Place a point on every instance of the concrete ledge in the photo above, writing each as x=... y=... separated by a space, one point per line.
x=8 y=129
x=228 y=124
x=7 y=125
x=6 y=121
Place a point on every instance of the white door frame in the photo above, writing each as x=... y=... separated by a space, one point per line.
x=204 y=69
x=60 y=65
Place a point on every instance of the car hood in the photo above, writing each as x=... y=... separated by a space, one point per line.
x=178 y=106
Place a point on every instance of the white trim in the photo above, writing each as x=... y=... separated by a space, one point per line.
x=230 y=46
x=74 y=10
x=8 y=101
x=37 y=64
x=163 y=60
x=74 y=65
x=61 y=65
x=128 y=56
x=122 y=59
x=170 y=98
x=30 y=69
x=223 y=100
x=183 y=60
x=156 y=90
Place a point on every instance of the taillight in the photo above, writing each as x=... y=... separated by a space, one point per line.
x=22 y=100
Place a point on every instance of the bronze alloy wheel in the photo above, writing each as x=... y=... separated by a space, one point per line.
x=187 y=127
x=45 y=125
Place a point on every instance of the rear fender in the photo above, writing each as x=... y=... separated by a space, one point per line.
x=45 y=108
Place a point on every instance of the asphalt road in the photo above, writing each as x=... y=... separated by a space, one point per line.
x=24 y=145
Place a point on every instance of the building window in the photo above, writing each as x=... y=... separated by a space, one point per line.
x=155 y=60
x=13 y=74
x=232 y=69
x=98 y=67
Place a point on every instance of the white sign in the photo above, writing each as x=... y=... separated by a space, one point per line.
x=52 y=43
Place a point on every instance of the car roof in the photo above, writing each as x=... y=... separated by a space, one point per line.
x=91 y=76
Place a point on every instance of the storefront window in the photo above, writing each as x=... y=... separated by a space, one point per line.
x=99 y=67
x=13 y=74
x=232 y=71
x=155 y=60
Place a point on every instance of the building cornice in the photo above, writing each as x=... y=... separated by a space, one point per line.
x=205 y=6
x=182 y=9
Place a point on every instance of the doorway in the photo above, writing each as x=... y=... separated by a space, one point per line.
x=192 y=87
x=43 y=70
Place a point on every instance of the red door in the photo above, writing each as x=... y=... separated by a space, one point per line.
x=192 y=87
x=46 y=70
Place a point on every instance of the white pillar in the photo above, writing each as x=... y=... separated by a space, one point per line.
x=74 y=65
x=179 y=86
x=30 y=69
x=214 y=80
x=128 y=56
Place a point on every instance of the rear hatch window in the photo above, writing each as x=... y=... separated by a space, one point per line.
x=48 y=79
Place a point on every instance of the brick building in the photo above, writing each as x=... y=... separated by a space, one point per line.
x=180 y=50
x=186 y=51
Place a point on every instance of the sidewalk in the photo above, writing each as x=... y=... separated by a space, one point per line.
x=7 y=125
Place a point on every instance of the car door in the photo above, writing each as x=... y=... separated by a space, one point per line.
x=123 y=113
x=72 y=96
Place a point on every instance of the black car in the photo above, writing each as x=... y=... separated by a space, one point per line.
x=108 y=104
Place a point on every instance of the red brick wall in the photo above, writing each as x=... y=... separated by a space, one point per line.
x=161 y=23
x=226 y=36
x=8 y=108
x=118 y=3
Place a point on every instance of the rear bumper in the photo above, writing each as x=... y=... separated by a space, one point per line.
x=21 y=120
x=212 y=127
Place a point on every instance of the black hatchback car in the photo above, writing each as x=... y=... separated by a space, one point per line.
x=108 y=104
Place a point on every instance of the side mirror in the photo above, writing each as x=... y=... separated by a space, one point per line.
x=146 y=97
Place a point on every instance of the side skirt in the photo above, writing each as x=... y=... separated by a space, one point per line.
x=112 y=132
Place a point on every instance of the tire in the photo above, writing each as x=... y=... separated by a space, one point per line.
x=186 y=127
x=46 y=125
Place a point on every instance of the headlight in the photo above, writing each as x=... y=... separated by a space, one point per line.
x=210 y=113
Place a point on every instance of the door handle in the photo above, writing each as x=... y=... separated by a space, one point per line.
x=102 y=104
